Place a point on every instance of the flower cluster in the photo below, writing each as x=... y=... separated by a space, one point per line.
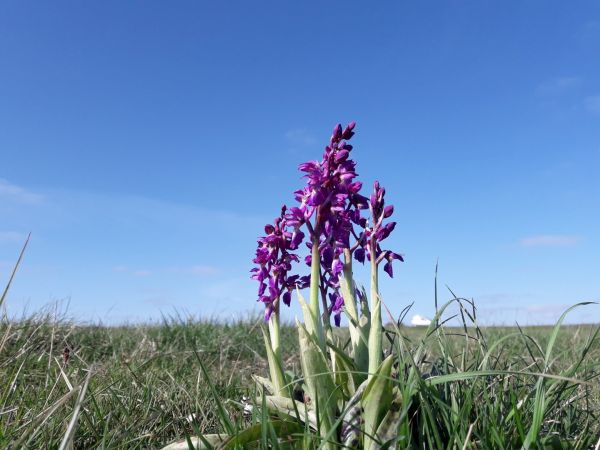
x=378 y=231
x=330 y=206
x=274 y=259
x=332 y=197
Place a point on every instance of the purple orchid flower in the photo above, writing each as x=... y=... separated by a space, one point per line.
x=274 y=259
x=374 y=235
x=332 y=197
x=330 y=210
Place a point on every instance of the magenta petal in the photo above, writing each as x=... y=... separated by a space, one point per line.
x=348 y=133
x=388 y=269
x=337 y=267
x=337 y=318
x=287 y=298
x=388 y=211
x=268 y=312
x=337 y=132
x=359 y=255
x=341 y=155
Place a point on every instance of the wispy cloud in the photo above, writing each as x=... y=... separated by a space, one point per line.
x=550 y=240
x=134 y=272
x=300 y=136
x=558 y=86
x=203 y=270
x=142 y=273
x=195 y=270
x=6 y=265
x=12 y=192
x=592 y=104
x=540 y=313
x=12 y=236
x=589 y=33
x=547 y=310
x=533 y=314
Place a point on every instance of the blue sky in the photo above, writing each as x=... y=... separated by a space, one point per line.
x=145 y=144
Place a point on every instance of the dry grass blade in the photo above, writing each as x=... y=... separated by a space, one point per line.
x=67 y=442
x=40 y=419
x=14 y=271
x=468 y=438
x=212 y=439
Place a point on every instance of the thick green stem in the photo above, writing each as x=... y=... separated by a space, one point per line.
x=275 y=335
x=348 y=291
x=358 y=336
x=274 y=357
x=315 y=275
x=375 y=335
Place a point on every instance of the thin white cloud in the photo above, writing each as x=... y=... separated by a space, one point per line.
x=592 y=104
x=195 y=270
x=540 y=313
x=589 y=33
x=501 y=301
x=557 y=86
x=494 y=297
x=12 y=237
x=300 y=136
x=9 y=191
x=158 y=301
x=550 y=240
x=418 y=320
x=134 y=272
x=142 y=273
x=547 y=310
x=203 y=270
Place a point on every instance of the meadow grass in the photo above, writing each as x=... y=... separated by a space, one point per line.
x=146 y=386
x=67 y=385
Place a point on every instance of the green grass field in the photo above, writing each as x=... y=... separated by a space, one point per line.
x=146 y=387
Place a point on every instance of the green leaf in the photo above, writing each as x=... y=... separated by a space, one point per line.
x=264 y=384
x=539 y=401
x=313 y=324
x=346 y=374
x=376 y=401
x=281 y=428
x=222 y=413
x=318 y=378
x=275 y=369
x=352 y=419
x=387 y=432
x=204 y=442
x=291 y=408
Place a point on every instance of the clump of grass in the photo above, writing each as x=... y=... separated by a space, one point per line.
x=460 y=387
x=512 y=391
x=70 y=385
x=145 y=386
x=146 y=382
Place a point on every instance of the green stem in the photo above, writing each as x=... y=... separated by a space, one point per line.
x=375 y=335
x=275 y=359
x=275 y=335
x=348 y=291
x=315 y=275
x=358 y=334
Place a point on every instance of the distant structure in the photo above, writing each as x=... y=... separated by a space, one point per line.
x=419 y=321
